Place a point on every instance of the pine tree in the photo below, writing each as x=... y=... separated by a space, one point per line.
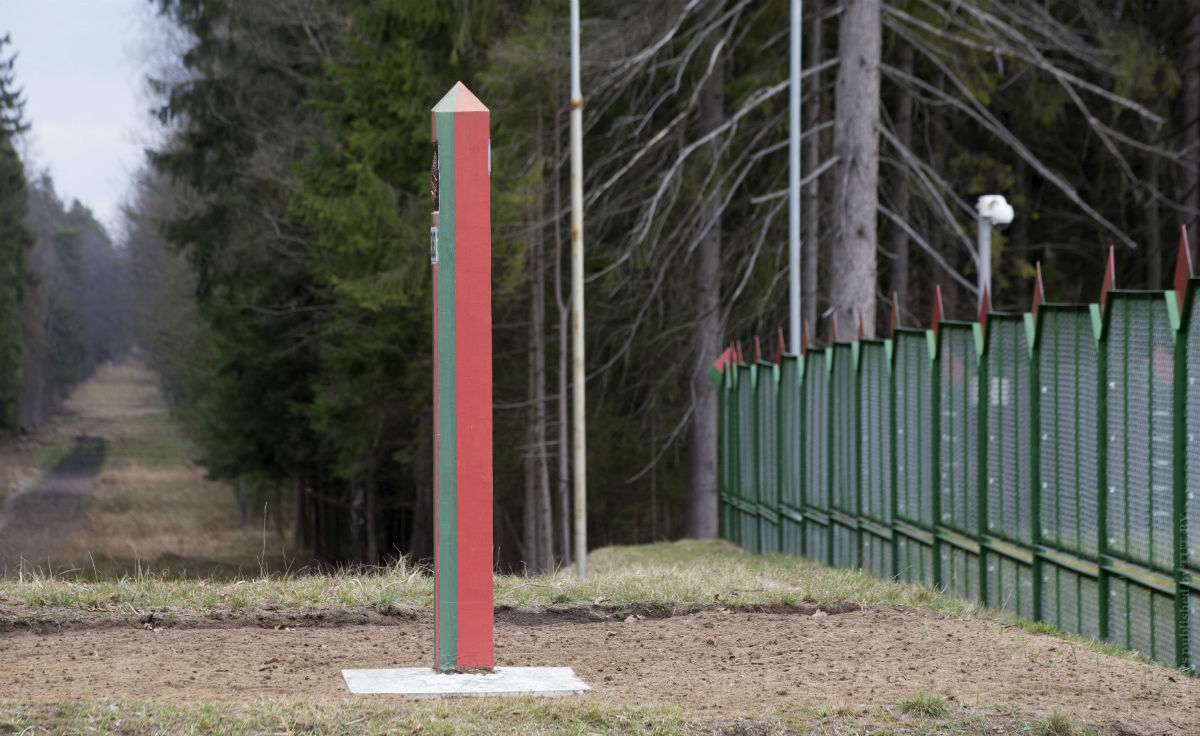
x=15 y=240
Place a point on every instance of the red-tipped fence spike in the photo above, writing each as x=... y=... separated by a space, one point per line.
x=1183 y=267
x=779 y=348
x=804 y=340
x=895 y=314
x=757 y=349
x=1110 y=278
x=740 y=357
x=860 y=327
x=937 y=308
x=985 y=305
x=1039 y=290
x=833 y=327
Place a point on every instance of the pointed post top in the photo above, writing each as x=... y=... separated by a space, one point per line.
x=985 y=306
x=895 y=313
x=740 y=357
x=1183 y=267
x=937 y=308
x=1110 y=278
x=860 y=327
x=459 y=99
x=804 y=340
x=779 y=347
x=833 y=328
x=757 y=350
x=1039 y=289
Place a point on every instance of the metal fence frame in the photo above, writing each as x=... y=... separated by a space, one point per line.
x=1045 y=463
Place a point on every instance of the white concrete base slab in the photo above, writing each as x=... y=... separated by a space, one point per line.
x=424 y=682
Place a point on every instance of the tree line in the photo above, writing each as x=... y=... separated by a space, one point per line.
x=278 y=237
x=62 y=302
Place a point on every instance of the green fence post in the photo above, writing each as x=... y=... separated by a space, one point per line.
x=1183 y=274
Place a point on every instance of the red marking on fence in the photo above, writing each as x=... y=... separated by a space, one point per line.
x=1110 y=278
x=757 y=350
x=804 y=340
x=833 y=327
x=895 y=314
x=1039 y=290
x=1183 y=268
x=860 y=327
x=779 y=346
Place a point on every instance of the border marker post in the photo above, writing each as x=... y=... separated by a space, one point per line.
x=461 y=251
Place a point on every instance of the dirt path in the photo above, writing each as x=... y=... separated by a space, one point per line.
x=714 y=661
x=41 y=518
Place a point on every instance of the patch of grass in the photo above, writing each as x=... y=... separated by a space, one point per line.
x=924 y=704
x=1058 y=723
x=465 y=716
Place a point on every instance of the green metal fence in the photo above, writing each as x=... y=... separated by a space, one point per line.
x=1045 y=463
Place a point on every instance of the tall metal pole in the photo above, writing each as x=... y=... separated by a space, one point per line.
x=985 y=257
x=794 y=187
x=579 y=418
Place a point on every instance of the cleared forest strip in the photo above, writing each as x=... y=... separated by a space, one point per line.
x=151 y=506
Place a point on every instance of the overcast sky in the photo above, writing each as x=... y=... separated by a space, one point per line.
x=81 y=64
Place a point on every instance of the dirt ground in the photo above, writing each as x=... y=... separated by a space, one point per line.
x=709 y=659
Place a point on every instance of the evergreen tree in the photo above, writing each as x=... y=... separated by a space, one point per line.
x=15 y=240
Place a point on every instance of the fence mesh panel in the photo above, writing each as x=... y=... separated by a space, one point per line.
x=1140 y=420
x=1191 y=434
x=1068 y=432
x=1008 y=485
x=914 y=428
x=747 y=467
x=767 y=442
x=875 y=426
x=958 y=369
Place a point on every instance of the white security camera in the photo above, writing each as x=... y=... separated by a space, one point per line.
x=994 y=209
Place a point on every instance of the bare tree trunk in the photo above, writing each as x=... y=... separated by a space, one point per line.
x=706 y=341
x=538 y=522
x=856 y=143
x=564 y=317
x=1191 y=126
x=899 y=240
x=812 y=193
x=372 y=518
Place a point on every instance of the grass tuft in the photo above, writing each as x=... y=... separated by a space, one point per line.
x=924 y=704
x=1058 y=723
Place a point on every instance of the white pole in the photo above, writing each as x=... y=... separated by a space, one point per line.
x=985 y=257
x=794 y=187
x=579 y=418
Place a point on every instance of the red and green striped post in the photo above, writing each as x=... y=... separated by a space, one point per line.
x=461 y=251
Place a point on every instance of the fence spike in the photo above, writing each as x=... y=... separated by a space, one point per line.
x=804 y=340
x=740 y=356
x=937 y=309
x=1110 y=278
x=860 y=326
x=895 y=314
x=985 y=306
x=1183 y=268
x=717 y=369
x=779 y=347
x=1039 y=289
x=833 y=327
x=757 y=350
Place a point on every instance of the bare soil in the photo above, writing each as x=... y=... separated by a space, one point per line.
x=710 y=659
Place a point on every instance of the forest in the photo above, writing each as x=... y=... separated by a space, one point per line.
x=62 y=296
x=275 y=269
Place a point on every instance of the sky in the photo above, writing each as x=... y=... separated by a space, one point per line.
x=82 y=65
